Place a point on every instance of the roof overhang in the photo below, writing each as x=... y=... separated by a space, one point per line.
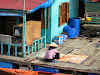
x=30 y=6
x=46 y=4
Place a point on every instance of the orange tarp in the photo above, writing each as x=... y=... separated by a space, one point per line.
x=6 y=71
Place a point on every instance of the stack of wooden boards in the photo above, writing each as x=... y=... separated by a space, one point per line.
x=72 y=58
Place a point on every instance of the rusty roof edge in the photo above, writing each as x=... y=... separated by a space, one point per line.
x=43 y=5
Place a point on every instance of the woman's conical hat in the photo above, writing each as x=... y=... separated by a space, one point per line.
x=53 y=44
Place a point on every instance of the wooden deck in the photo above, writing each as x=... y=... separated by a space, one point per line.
x=78 y=46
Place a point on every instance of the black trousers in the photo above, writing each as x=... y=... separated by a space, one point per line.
x=57 y=56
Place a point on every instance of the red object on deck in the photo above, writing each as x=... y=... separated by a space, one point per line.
x=95 y=0
x=18 y=4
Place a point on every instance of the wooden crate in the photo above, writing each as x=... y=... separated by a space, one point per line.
x=33 y=31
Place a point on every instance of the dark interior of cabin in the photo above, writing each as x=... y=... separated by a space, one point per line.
x=81 y=9
x=36 y=16
x=90 y=18
x=8 y=24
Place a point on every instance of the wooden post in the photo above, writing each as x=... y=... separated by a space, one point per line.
x=1 y=49
x=17 y=20
x=45 y=13
x=24 y=29
x=24 y=34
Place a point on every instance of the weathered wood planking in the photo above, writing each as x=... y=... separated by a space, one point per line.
x=65 y=66
x=75 y=46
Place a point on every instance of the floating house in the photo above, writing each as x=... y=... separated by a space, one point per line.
x=21 y=26
x=27 y=25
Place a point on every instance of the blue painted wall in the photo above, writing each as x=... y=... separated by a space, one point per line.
x=74 y=8
x=54 y=29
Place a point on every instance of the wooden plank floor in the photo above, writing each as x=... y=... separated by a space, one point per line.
x=73 y=46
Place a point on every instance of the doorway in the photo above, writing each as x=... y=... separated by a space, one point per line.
x=81 y=8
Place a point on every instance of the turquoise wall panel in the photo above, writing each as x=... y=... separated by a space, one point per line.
x=54 y=29
x=74 y=8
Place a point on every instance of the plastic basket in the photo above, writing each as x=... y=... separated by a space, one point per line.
x=58 y=40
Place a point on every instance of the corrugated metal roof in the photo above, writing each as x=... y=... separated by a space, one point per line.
x=18 y=4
